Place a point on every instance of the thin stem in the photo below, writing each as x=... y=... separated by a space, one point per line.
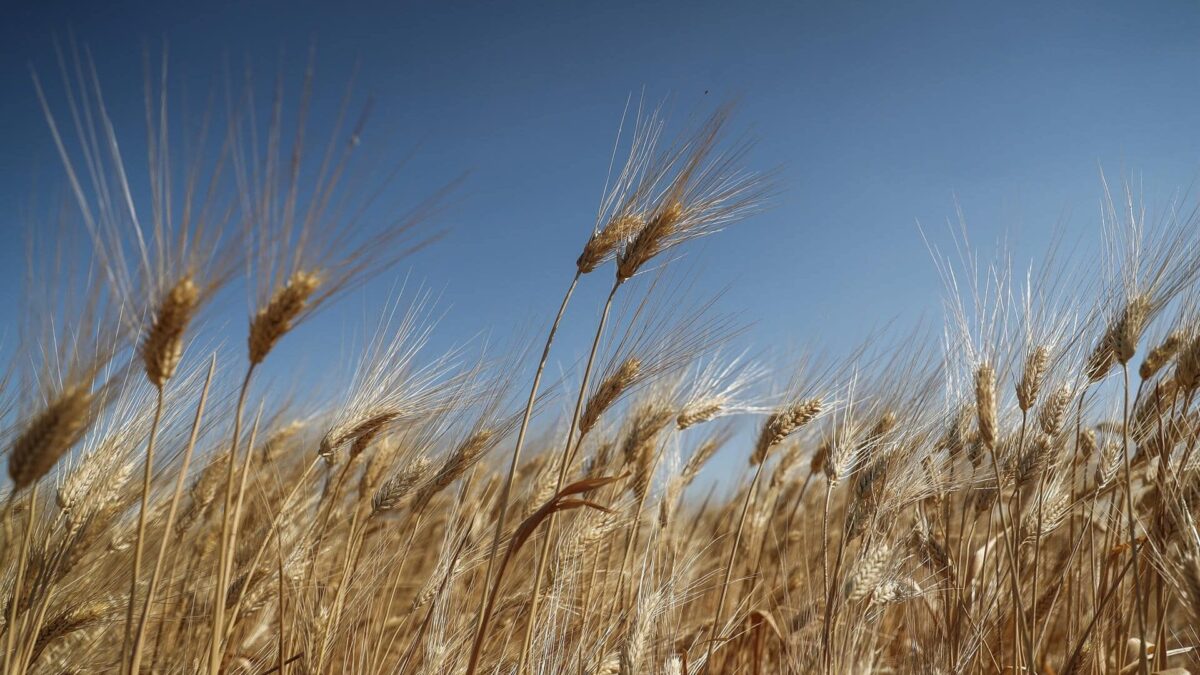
x=737 y=539
x=562 y=474
x=218 y=618
x=262 y=547
x=282 y=644
x=135 y=573
x=516 y=454
x=1143 y=666
x=825 y=536
x=831 y=596
x=237 y=511
x=140 y=639
x=14 y=602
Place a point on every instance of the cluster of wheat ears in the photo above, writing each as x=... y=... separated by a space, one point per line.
x=1020 y=498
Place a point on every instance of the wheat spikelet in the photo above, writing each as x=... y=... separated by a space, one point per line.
x=640 y=444
x=49 y=435
x=1053 y=514
x=1054 y=411
x=1031 y=379
x=957 y=434
x=162 y=347
x=894 y=591
x=275 y=319
x=697 y=413
x=602 y=244
x=395 y=489
x=1160 y=355
x=841 y=456
x=868 y=573
x=66 y=622
x=1110 y=463
x=543 y=486
x=1033 y=461
x=1130 y=327
x=782 y=424
x=1153 y=411
x=1100 y=361
x=608 y=392
x=700 y=457
x=1119 y=342
x=596 y=528
x=456 y=464
x=650 y=240
x=985 y=404
x=637 y=642
x=359 y=435
x=935 y=553
x=1187 y=366
x=1190 y=567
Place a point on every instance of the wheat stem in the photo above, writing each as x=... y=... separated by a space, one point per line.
x=501 y=515
x=140 y=638
x=218 y=617
x=716 y=632
x=1131 y=521
x=562 y=474
x=12 y=664
x=135 y=572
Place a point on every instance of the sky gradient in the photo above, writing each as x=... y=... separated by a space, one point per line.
x=879 y=116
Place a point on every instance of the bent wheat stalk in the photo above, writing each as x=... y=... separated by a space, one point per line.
x=558 y=502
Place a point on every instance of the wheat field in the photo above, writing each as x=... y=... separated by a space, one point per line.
x=1013 y=489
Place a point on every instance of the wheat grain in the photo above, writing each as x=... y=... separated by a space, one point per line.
x=274 y=320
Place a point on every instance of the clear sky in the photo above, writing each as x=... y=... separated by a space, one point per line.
x=879 y=115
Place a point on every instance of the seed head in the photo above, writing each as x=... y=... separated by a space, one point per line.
x=782 y=423
x=608 y=392
x=359 y=435
x=275 y=320
x=49 y=435
x=1119 y=342
x=604 y=242
x=1130 y=327
x=1031 y=378
x=650 y=241
x=697 y=413
x=985 y=403
x=868 y=573
x=1187 y=366
x=1054 y=410
x=395 y=489
x=163 y=345
x=1160 y=355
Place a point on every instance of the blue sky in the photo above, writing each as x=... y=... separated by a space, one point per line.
x=879 y=115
